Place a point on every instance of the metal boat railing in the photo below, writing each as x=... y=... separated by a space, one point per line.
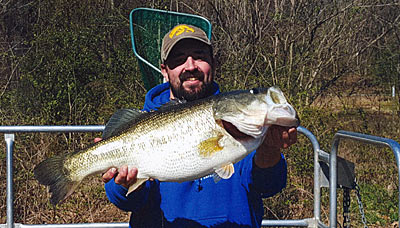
x=319 y=155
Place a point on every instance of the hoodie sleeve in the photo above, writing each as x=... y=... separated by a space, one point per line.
x=117 y=195
x=269 y=181
x=266 y=182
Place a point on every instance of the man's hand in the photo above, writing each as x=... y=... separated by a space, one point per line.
x=124 y=176
x=277 y=138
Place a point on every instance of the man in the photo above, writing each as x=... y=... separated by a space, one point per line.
x=188 y=67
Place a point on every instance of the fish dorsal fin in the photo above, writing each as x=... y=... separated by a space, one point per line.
x=208 y=147
x=119 y=120
x=176 y=101
x=224 y=172
x=171 y=103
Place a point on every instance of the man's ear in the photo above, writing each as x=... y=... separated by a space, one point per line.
x=164 y=72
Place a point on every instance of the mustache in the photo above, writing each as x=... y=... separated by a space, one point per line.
x=191 y=74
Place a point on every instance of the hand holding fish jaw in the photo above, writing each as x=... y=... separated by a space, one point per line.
x=281 y=137
x=269 y=152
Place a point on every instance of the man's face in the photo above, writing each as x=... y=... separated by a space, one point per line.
x=189 y=70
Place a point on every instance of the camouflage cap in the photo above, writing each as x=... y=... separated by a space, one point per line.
x=178 y=33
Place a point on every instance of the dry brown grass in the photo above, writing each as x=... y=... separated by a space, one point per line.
x=369 y=102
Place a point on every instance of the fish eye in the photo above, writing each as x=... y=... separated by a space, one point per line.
x=254 y=91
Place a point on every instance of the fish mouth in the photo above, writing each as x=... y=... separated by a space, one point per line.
x=234 y=132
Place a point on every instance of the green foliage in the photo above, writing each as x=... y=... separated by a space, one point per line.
x=78 y=74
x=380 y=204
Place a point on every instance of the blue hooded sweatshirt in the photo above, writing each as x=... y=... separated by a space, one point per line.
x=234 y=202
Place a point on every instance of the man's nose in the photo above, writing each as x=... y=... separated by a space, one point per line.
x=190 y=64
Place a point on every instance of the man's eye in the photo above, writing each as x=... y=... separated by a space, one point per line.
x=174 y=62
x=179 y=60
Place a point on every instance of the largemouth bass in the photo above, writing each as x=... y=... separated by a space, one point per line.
x=177 y=143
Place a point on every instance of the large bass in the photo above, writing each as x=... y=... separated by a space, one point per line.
x=177 y=143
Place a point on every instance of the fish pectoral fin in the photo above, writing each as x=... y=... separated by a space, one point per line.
x=224 y=172
x=136 y=185
x=209 y=147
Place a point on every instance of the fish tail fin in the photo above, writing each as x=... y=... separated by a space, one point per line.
x=51 y=172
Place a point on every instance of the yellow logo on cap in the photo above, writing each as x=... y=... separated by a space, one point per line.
x=179 y=30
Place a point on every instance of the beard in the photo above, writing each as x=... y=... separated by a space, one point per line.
x=205 y=90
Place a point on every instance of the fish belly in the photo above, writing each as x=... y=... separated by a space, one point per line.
x=178 y=157
x=169 y=152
